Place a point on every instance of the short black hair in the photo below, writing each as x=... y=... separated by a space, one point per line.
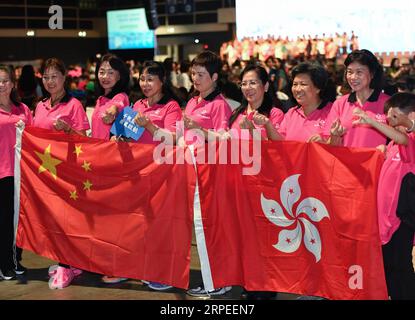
x=209 y=60
x=404 y=101
x=157 y=69
x=320 y=78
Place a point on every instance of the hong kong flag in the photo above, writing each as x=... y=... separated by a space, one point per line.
x=306 y=223
x=104 y=207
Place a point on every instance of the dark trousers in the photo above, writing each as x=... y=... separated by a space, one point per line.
x=9 y=255
x=397 y=259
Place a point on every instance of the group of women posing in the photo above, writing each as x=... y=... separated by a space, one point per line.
x=364 y=118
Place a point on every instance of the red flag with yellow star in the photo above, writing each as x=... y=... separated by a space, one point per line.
x=105 y=207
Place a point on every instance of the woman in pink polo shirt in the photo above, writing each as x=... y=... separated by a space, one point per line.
x=307 y=121
x=258 y=99
x=11 y=112
x=396 y=209
x=364 y=75
x=59 y=111
x=208 y=109
x=112 y=80
x=159 y=110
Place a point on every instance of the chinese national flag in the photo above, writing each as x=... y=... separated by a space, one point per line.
x=105 y=207
x=306 y=224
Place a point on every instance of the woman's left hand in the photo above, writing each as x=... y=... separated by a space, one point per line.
x=260 y=119
x=190 y=124
x=141 y=120
x=360 y=117
x=20 y=124
x=61 y=125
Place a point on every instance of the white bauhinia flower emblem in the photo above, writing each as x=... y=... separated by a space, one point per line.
x=289 y=240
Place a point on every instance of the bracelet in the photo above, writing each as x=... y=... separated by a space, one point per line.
x=411 y=128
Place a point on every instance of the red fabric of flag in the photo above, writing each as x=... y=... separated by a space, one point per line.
x=306 y=224
x=105 y=207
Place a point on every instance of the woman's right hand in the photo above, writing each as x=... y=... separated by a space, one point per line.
x=245 y=123
x=337 y=129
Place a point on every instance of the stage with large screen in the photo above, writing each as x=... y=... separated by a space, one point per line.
x=381 y=25
x=128 y=29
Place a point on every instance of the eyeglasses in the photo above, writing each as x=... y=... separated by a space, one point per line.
x=247 y=84
x=52 y=78
x=4 y=81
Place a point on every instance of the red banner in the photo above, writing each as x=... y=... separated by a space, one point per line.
x=306 y=224
x=105 y=207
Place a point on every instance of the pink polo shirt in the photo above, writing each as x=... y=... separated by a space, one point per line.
x=276 y=116
x=299 y=127
x=211 y=113
x=164 y=114
x=360 y=136
x=8 y=122
x=101 y=130
x=69 y=110
x=400 y=160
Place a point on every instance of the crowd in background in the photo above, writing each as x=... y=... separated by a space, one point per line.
x=301 y=48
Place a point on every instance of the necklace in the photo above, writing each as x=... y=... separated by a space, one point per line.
x=57 y=99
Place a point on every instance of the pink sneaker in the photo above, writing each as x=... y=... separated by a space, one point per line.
x=62 y=278
x=52 y=270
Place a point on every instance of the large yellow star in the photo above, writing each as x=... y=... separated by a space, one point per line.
x=48 y=163
x=87 y=185
x=78 y=150
x=87 y=166
x=74 y=196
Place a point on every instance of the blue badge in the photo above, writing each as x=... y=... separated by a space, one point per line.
x=125 y=126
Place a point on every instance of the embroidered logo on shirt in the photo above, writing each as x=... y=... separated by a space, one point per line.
x=320 y=123
x=397 y=157
x=380 y=118
x=156 y=114
x=204 y=114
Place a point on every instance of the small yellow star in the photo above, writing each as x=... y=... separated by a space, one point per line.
x=78 y=150
x=48 y=163
x=87 y=185
x=74 y=196
x=87 y=166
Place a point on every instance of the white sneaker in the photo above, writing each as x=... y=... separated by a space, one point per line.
x=200 y=292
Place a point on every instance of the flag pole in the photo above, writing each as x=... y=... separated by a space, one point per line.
x=20 y=126
x=200 y=234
